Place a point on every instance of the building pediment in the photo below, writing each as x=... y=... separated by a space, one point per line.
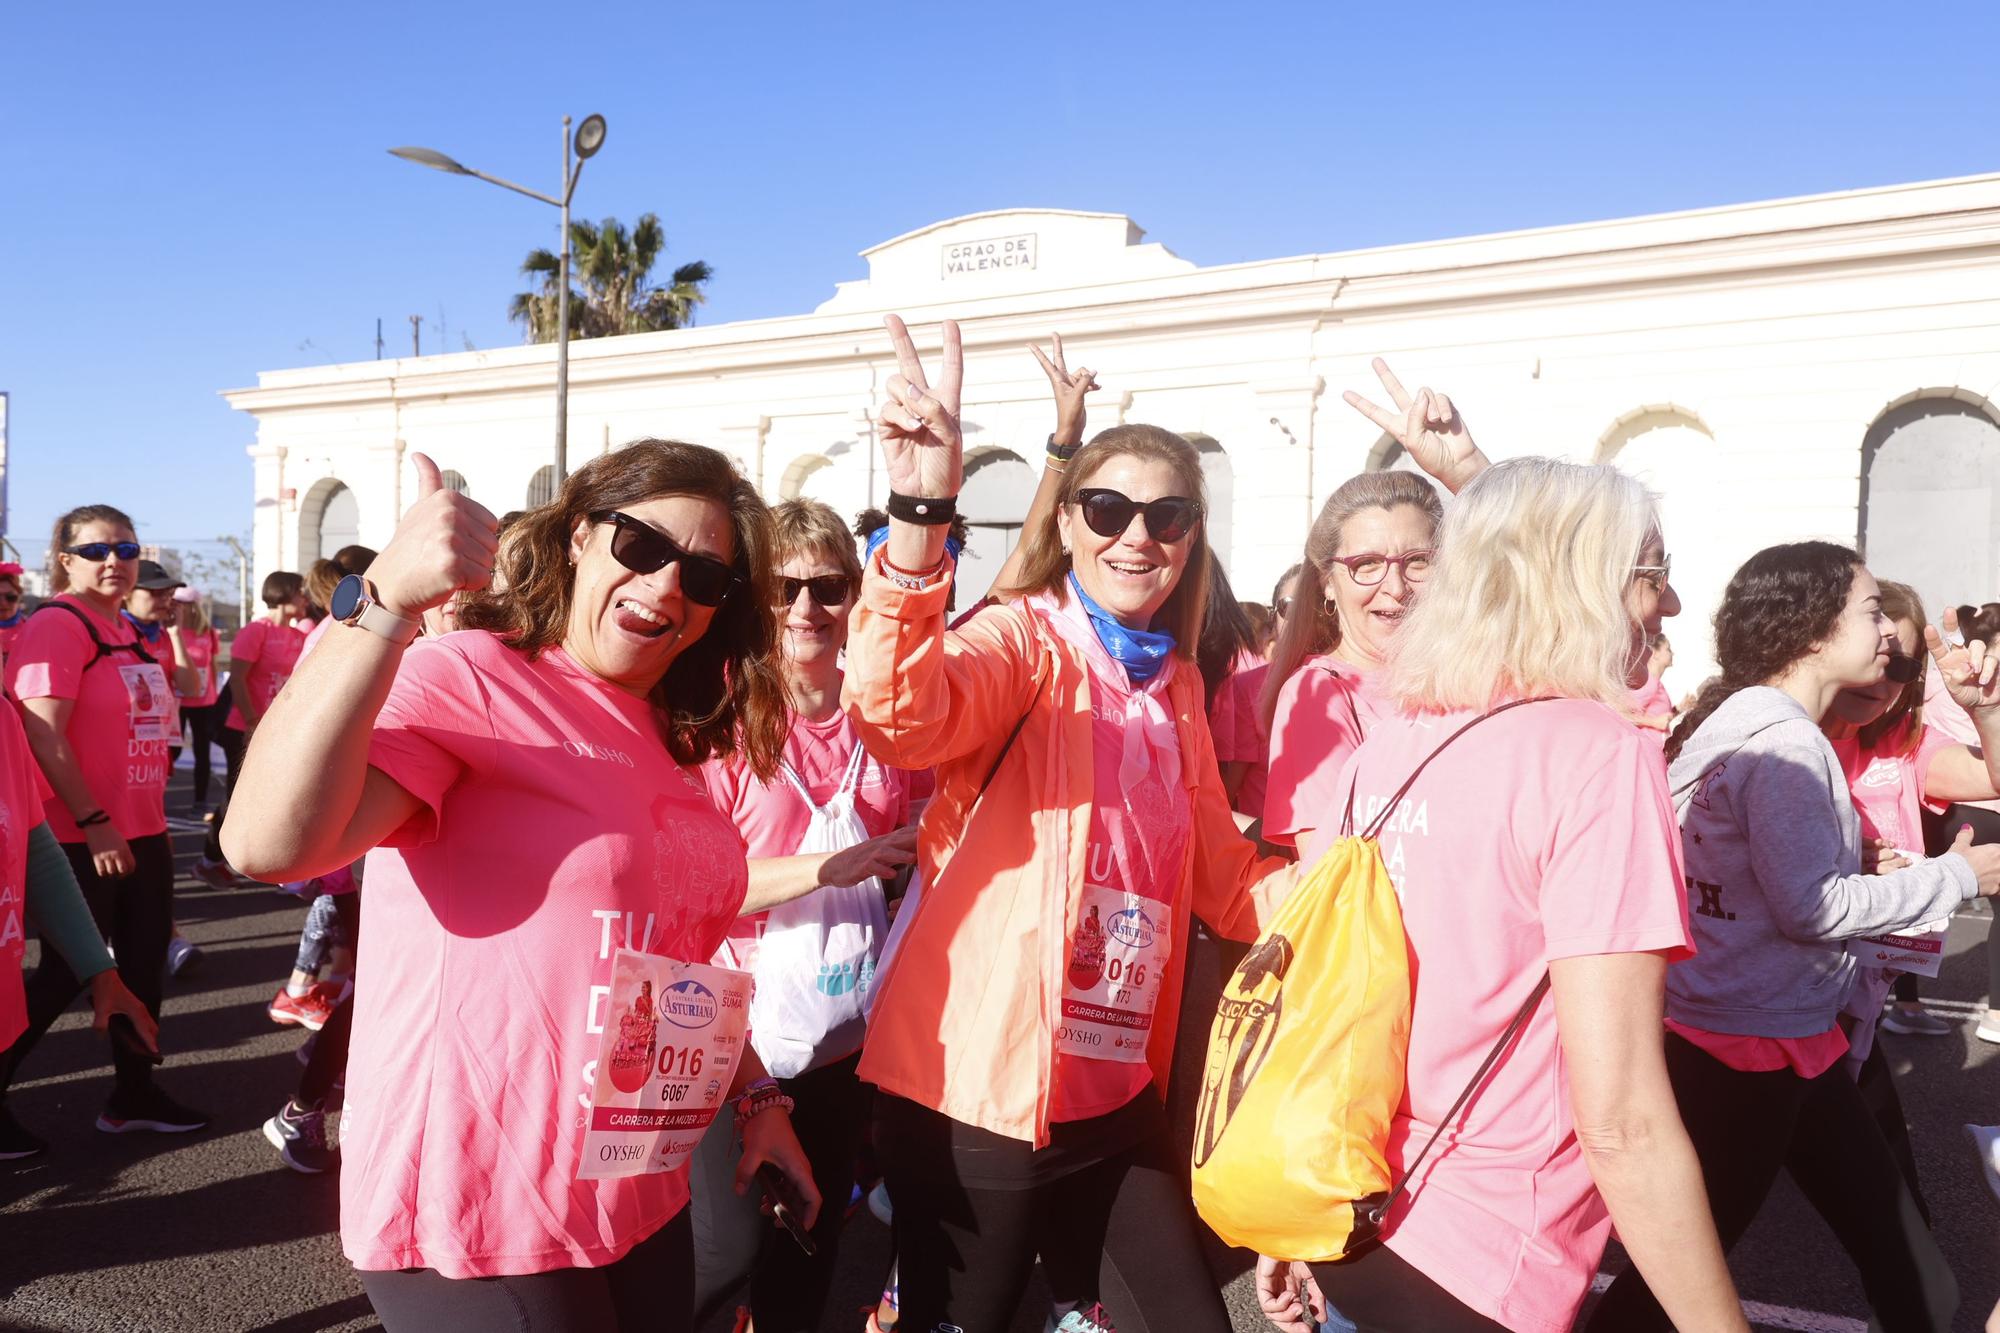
x=1003 y=252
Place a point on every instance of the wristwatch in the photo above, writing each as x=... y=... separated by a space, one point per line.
x=353 y=603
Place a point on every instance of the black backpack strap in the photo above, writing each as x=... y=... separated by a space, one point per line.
x=104 y=649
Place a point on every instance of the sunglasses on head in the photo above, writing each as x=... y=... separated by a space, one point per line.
x=1904 y=668
x=102 y=551
x=826 y=589
x=1108 y=513
x=644 y=549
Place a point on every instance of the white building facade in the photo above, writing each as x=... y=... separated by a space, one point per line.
x=1817 y=367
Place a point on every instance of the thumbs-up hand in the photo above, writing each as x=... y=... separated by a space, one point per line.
x=1984 y=859
x=445 y=543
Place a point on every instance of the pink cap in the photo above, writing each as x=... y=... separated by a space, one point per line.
x=187 y=594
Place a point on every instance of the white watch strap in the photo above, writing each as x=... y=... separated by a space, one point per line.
x=379 y=619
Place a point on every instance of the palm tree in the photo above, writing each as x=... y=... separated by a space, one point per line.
x=614 y=268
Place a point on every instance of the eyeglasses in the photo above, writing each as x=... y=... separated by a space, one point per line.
x=1370 y=567
x=1658 y=575
x=1109 y=513
x=98 y=552
x=826 y=589
x=1904 y=668
x=1283 y=607
x=8 y=598
x=644 y=549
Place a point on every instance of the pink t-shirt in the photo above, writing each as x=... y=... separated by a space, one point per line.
x=554 y=830
x=1651 y=700
x=22 y=794
x=1237 y=724
x=771 y=818
x=313 y=636
x=200 y=650
x=265 y=655
x=121 y=721
x=1323 y=713
x=10 y=630
x=1139 y=826
x=1575 y=852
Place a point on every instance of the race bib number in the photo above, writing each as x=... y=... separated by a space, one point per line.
x=150 y=701
x=1112 y=984
x=1918 y=950
x=673 y=1039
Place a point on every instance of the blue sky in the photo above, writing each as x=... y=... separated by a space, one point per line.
x=191 y=194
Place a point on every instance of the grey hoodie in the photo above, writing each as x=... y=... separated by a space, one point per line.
x=1775 y=889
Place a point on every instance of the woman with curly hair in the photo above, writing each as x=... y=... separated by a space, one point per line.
x=529 y=789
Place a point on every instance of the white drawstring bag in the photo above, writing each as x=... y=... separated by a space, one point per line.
x=816 y=963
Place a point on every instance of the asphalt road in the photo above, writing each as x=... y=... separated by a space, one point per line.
x=209 y=1232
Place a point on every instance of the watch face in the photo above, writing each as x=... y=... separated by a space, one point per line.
x=346 y=600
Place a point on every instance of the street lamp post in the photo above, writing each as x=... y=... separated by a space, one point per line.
x=577 y=150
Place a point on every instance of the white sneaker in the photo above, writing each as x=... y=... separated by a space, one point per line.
x=1989 y=1028
x=1986 y=1142
x=878 y=1204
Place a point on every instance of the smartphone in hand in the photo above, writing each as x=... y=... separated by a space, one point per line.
x=786 y=1206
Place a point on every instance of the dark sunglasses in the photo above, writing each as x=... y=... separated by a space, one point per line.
x=644 y=549
x=1904 y=668
x=1109 y=513
x=827 y=589
x=102 y=551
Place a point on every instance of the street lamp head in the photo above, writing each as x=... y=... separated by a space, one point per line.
x=589 y=136
x=430 y=157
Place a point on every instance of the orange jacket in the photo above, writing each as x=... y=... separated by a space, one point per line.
x=965 y=1012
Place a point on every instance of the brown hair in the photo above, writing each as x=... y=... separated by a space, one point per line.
x=65 y=534
x=1980 y=622
x=1045 y=565
x=1900 y=602
x=723 y=694
x=281 y=586
x=1311 y=627
x=809 y=527
x=321 y=579
x=353 y=560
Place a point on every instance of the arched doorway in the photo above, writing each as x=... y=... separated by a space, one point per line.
x=1930 y=499
x=542 y=486
x=994 y=497
x=329 y=518
x=1672 y=451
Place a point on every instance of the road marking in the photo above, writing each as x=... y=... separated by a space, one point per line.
x=1779 y=1316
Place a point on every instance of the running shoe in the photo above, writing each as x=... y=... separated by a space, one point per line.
x=1989 y=1027
x=215 y=874
x=299 y=1135
x=879 y=1205
x=151 y=1110
x=309 y=1011
x=15 y=1141
x=183 y=955
x=1094 y=1320
x=1915 y=1023
x=1986 y=1142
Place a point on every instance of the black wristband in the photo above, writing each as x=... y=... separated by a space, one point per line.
x=923 y=510
x=1062 y=453
x=93 y=818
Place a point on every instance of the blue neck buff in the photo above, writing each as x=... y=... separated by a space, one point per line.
x=13 y=620
x=149 y=630
x=1142 y=652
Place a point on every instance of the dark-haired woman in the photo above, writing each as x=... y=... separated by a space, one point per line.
x=1022 y=1034
x=1773 y=848
x=99 y=713
x=12 y=617
x=528 y=788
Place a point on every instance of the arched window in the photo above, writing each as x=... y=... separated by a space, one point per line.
x=329 y=518
x=994 y=497
x=455 y=481
x=542 y=486
x=1930 y=498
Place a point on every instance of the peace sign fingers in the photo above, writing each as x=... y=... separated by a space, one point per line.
x=1428 y=427
x=920 y=431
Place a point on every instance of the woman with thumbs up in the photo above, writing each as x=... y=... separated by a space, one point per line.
x=529 y=790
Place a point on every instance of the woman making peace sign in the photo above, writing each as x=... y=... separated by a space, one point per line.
x=1022 y=1057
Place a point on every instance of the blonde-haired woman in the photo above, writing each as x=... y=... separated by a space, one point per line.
x=1544 y=820
x=1023 y=1033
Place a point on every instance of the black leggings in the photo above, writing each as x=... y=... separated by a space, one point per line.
x=205 y=728
x=965 y=1250
x=231 y=741
x=734 y=1240
x=1746 y=1127
x=136 y=917
x=1381 y=1293
x=1940 y=831
x=647 y=1291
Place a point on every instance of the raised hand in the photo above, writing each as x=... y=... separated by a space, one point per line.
x=1070 y=389
x=1427 y=426
x=1971 y=673
x=921 y=445
x=446 y=542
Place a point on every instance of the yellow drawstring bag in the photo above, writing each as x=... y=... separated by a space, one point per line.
x=1306 y=1061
